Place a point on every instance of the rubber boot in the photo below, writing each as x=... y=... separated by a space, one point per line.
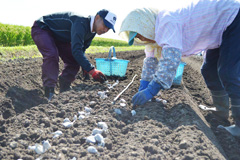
x=234 y=129
x=49 y=92
x=221 y=102
x=64 y=85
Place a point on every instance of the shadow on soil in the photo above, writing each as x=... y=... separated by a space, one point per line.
x=24 y=99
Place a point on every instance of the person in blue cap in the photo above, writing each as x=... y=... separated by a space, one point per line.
x=68 y=35
x=212 y=26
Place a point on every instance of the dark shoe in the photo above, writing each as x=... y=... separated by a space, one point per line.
x=233 y=130
x=64 y=85
x=221 y=102
x=236 y=114
x=49 y=92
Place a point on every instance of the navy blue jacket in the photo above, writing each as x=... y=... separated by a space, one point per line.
x=72 y=28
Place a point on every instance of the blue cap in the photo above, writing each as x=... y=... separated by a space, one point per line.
x=132 y=35
x=109 y=18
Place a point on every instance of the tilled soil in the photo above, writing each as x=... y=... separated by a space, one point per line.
x=177 y=129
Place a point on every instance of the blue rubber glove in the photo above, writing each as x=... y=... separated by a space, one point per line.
x=143 y=85
x=145 y=95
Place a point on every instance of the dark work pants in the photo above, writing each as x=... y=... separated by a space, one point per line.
x=221 y=68
x=51 y=50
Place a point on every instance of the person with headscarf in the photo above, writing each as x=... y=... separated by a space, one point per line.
x=203 y=25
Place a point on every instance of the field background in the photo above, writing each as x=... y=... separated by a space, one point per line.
x=16 y=42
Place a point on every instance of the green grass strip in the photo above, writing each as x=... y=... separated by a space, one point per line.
x=31 y=51
x=19 y=52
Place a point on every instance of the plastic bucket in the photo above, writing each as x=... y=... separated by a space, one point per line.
x=112 y=66
x=178 y=78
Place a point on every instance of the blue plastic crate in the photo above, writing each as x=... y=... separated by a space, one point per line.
x=112 y=66
x=178 y=78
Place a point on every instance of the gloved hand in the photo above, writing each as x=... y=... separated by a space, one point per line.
x=85 y=74
x=143 y=85
x=143 y=96
x=98 y=75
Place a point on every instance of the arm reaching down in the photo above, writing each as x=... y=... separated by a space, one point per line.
x=163 y=77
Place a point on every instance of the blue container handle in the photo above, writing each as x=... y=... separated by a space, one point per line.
x=112 y=50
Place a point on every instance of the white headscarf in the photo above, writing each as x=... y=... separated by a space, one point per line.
x=142 y=21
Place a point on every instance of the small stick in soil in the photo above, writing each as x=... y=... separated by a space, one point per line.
x=115 y=99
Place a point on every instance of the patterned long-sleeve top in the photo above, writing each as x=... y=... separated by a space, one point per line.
x=186 y=31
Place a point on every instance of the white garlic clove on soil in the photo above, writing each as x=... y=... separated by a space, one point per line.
x=91 y=139
x=88 y=110
x=97 y=131
x=102 y=94
x=122 y=100
x=111 y=86
x=66 y=120
x=103 y=125
x=46 y=145
x=122 y=104
x=75 y=117
x=161 y=100
x=67 y=124
x=57 y=134
x=81 y=113
x=164 y=101
x=99 y=138
x=92 y=150
x=81 y=117
x=133 y=112
x=38 y=149
x=32 y=147
x=118 y=111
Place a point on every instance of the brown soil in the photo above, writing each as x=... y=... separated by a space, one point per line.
x=175 y=130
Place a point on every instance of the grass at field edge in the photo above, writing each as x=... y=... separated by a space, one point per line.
x=31 y=51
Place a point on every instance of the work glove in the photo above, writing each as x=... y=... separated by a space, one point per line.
x=145 y=95
x=143 y=85
x=85 y=74
x=98 y=75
